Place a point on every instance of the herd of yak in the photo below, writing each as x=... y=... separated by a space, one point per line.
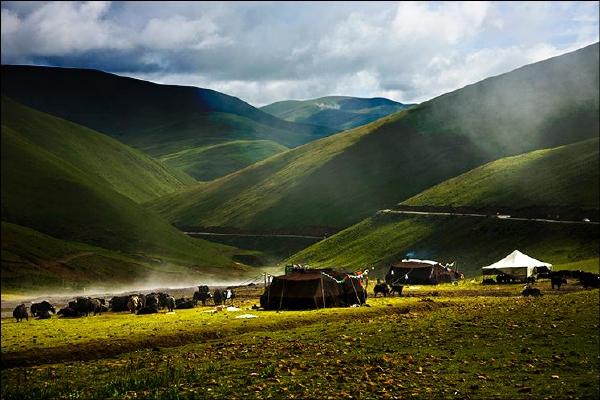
x=135 y=303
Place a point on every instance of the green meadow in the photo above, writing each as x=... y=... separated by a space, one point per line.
x=434 y=342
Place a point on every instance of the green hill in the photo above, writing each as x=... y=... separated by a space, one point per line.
x=337 y=112
x=562 y=176
x=472 y=242
x=210 y=162
x=160 y=120
x=339 y=180
x=62 y=180
x=125 y=170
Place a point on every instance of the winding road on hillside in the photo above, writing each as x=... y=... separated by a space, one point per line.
x=504 y=217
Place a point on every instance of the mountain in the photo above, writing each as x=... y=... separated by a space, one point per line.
x=337 y=112
x=337 y=181
x=160 y=120
x=563 y=176
x=67 y=190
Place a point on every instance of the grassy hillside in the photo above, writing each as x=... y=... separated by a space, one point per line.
x=340 y=180
x=471 y=242
x=36 y=262
x=562 y=176
x=157 y=119
x=337 y=112
x=58 y=194
x=566 y=175
x=210 y=162
x=125 y=170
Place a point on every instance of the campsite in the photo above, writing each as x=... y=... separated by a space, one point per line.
x=442 y=341
x=300 y=200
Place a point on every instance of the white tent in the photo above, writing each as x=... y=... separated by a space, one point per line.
x=516 y=264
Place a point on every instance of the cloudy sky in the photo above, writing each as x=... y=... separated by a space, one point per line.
x=264 y=52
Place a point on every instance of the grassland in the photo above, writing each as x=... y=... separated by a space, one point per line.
x=213 y=161
x=340 y=180
x=471 y=242
x=467 y=341
x=337 y=112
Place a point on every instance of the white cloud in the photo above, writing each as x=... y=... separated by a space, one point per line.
x=265 y=52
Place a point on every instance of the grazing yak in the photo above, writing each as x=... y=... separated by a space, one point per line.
x=69 y=312
x=228 y=294
x=20 y=312
x=589 y=280
x=396 y=289
x=87 y=305
x=170 y=303
x=37 y=308
x=148 y=310
x=381 y=287
x=202 y=294
x=152 y=300
x=218 y=297
x=183 y=303
x=530 y=291
x=134 y=304
x=557 y=280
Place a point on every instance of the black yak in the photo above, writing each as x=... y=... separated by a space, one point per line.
x=20 y=312
x=41 y=307
x=381 y=287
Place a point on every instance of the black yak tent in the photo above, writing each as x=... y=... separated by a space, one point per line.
x=311 y=288
x=421 y=272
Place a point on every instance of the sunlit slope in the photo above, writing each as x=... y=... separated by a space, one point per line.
x=339 y=180
x=157 y=119
x=472 y=242
x=57 y=196
x=562 y=176
x=338 y=112
x=124 y=169
x=210 y=162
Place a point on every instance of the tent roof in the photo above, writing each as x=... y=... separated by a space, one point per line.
x=516 y=259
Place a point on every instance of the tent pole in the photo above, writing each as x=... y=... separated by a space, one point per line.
x=322 y=290
x=281 y=298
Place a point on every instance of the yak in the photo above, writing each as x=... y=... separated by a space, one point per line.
x=183 y=303
x=589 y=280
x=43 y=315
x=557 y=280
x=381 y=287
x=170 y=303
x=529 y=291
x=69 y=312
x=134 y=304
x=202 y=296
x=37 y=308
x=148 y=310
x=396 y=289
x=20 y=312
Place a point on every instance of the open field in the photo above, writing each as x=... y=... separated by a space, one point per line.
x=434 y=342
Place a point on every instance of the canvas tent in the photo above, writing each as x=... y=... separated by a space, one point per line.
x=420 y=272
x=517 y=265
x=311 y=288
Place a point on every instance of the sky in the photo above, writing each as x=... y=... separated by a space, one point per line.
x=264 y=52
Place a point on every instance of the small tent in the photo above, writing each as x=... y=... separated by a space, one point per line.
x=420 y=272
x=312 y=288
x=517 y=266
